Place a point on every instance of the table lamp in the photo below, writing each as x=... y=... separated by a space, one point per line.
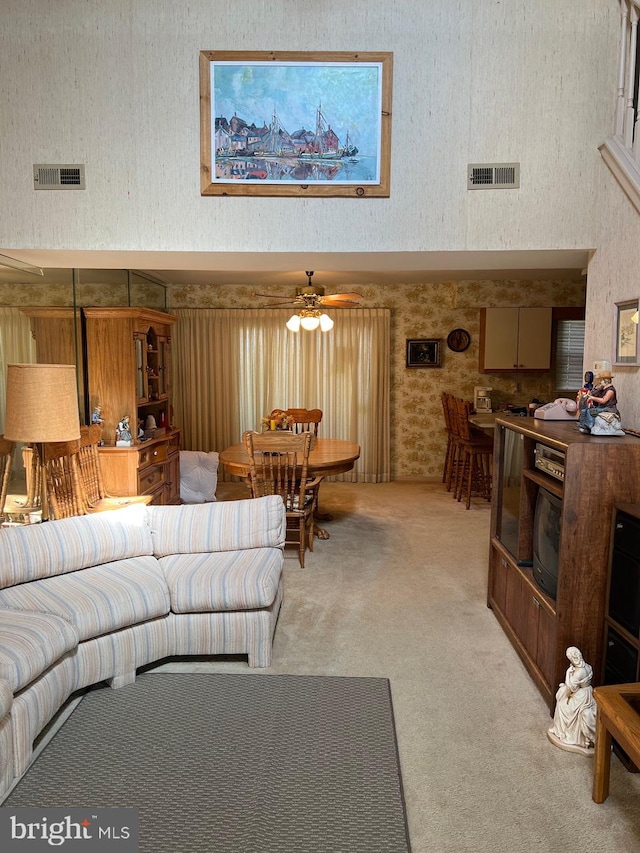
x=41 y=407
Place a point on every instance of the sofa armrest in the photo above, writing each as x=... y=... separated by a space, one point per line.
x=6 y=698
x=30 y=643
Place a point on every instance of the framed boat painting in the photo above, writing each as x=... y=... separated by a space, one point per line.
x=295 y=124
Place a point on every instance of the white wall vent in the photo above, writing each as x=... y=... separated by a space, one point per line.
x=47 y=176
x=493 y=176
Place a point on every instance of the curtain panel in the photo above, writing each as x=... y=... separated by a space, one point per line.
x=232 y=366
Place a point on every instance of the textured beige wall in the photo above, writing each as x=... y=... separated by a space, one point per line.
x=614 y=277
x=114 y=85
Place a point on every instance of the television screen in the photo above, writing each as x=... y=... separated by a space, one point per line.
x=546 y=541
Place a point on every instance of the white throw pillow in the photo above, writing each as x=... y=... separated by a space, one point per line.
x=198 y=476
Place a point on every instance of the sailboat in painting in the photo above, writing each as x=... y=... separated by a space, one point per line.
x=325 y=143
x=349 y=149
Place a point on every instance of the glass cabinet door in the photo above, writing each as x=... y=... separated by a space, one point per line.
x=141 y=366
x=509 y=486
x=162 y=371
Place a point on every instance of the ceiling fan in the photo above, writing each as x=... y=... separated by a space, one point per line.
x=312 y=296
x=309 y=299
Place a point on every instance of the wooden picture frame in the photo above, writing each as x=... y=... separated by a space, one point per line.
x=295 y=123
x=626 y=332
x=423 y=352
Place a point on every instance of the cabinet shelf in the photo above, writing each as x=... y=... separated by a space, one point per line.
x=145 y=404
x=549 y=483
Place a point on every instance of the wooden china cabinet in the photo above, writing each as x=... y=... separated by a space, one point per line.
x=129 y=373
x=125 y=368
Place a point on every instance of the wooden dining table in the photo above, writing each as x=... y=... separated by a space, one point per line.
x=329 y=456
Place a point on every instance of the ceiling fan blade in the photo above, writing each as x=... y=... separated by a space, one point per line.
x=339 y=303
x=342 y=296
x=273 y=295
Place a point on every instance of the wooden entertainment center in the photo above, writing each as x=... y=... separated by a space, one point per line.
x=598 y=472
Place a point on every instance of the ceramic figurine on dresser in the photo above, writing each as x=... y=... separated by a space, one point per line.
x=98 y=420
x=574 y=719
x=123 y=433
x=598 y=407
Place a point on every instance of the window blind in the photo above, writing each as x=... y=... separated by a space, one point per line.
x=569 y=355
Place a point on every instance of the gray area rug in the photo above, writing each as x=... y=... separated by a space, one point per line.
x=233 y=763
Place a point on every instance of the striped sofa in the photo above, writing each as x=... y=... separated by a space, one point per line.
x=93 y=598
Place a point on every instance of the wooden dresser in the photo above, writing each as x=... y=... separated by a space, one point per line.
x=149 y=468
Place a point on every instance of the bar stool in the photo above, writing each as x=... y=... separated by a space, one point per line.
x=475 y=457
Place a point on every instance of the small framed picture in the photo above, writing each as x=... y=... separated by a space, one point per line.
x=423 y=352
x=627 y=332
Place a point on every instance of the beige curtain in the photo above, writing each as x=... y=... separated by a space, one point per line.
x=16 y=347
x=232 y=366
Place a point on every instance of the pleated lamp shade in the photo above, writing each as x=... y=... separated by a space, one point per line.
x=41 y=403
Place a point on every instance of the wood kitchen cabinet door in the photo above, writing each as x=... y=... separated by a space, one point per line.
x=515 y=339
x=534 y=339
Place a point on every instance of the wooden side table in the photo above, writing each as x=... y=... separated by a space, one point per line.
x=619 y=717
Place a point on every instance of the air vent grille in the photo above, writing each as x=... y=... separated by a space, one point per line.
x=493 y=176
x=47 y=176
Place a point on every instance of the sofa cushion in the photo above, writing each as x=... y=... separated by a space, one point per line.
x=228 y=580
x=30 y=643
x=42 y=550
x=99 y=599
x=221 y=526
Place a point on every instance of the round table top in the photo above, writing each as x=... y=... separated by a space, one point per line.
x=329 y=456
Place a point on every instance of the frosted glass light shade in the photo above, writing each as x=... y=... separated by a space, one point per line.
x=310 y=323
x=41 y=403
x=293 y=323
x=326 y=323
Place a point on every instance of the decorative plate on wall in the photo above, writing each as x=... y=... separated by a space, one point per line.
x=458 y=340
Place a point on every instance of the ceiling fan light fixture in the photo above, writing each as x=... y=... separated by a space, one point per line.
x=293 y=323
x=309 y=322
x=326 y=323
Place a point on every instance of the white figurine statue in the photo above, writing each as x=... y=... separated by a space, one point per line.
x=574 y=720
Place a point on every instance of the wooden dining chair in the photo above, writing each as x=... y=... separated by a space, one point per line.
x=278 y=463
x=308 y=420
x=6 y=460
x=64 y=494
x=95 y=496
x=305 y=420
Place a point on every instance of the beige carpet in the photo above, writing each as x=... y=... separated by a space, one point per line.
x=399 y=591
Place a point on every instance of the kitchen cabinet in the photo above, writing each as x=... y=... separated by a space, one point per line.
x=515 y=339
x=539 y=626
